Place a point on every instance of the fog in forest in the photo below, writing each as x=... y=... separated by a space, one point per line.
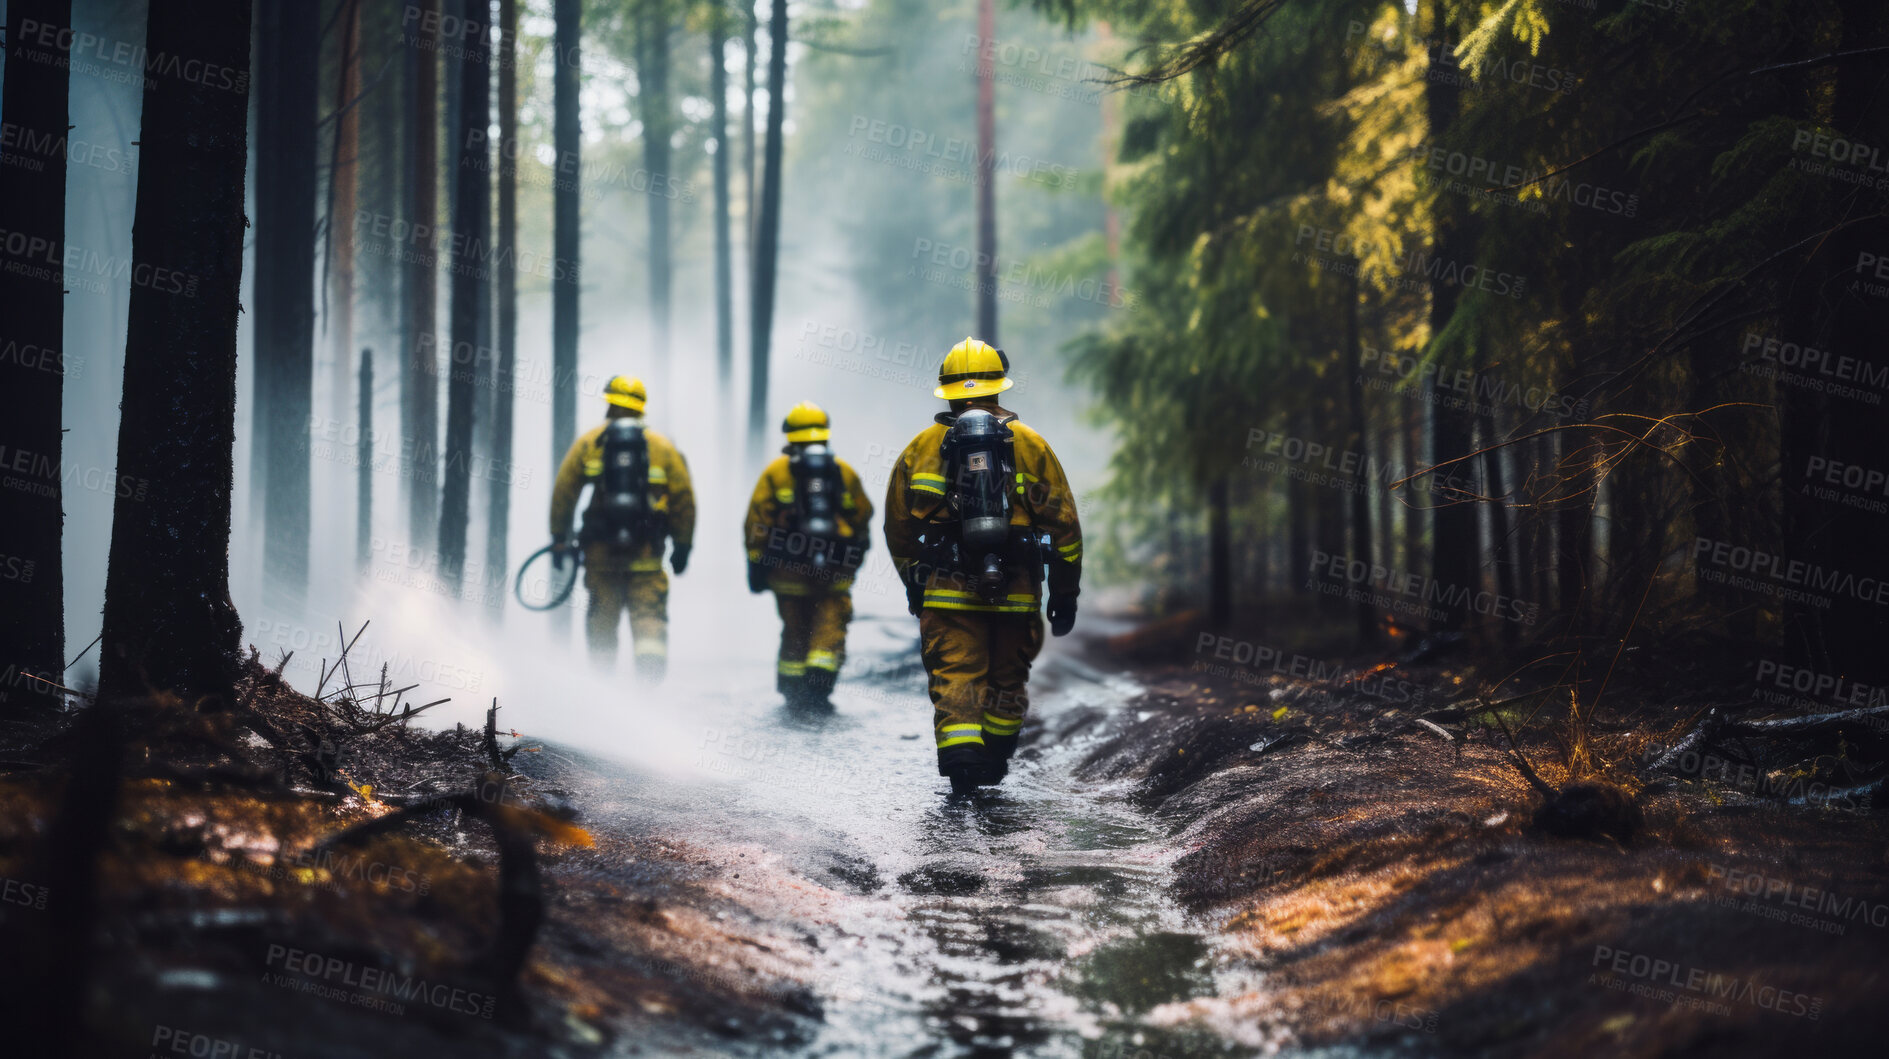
x=869 y=300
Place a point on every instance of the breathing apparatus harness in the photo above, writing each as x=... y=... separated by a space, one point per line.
x=810 y=541
x=622 y=513
x=977 y=543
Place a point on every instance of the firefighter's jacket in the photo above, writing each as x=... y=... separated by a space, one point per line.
x=769 y=514
x=669 y=492
x=1042 y=502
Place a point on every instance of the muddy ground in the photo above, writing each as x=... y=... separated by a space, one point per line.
x=1391 y=882
x=1348 y=879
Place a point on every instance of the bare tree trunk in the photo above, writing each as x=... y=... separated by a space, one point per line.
x=767 y=234
x=987 y=178
x=1840 y=541
x=1414 y=499
x=343 y=195
x=751 y=32
x=1219 y=556
x=568 y=146
x=566 y=137
x=168 y=619
x=420 y=377
x=472 y=206
x=364 y=466
x=1502 y=526
x=1574 y=535
x=1455 y=542
x=1366 y=614
x=382 y=180
x=33 y=208
x=724 y=267
x=285 y=289
x=653 y=75
x=498 y=521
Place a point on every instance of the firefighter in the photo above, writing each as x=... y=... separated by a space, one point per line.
x=808 y=527
x=640 y=500
x=978 y=516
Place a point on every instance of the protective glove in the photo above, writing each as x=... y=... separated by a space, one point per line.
x=1062 y=615
x=914 y=592
x=679 y=558
x=757 y=577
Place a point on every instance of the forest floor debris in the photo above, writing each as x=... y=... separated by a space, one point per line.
x=1397 y=890
x=230 y=913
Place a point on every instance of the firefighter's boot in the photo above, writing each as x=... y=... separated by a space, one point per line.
x=964 y=765
x=818 y=687
x=998 y=750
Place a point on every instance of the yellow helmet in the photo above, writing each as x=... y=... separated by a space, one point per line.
x=973 y=369
x=806 y=421
x=625 y=392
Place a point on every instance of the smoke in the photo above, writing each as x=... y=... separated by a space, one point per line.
x=443 y=633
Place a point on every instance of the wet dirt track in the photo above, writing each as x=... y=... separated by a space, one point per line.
x=1031 y=920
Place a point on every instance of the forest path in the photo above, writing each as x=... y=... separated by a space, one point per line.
x=1034 y=919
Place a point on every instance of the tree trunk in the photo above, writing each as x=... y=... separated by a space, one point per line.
x=1219 y=556
x=364 y=466
x=1455 y=544
x=987 y=179
x=1415 y=500
x=420 y=374
x=498 y=521
x=653 y=76
x=724 y=267
x=381 y=260
x=472 y=206
x=1574 y=537
x=168 y=619
x=1843 y=541
x=343 y=196
x=767 y=233
x=1502 y=527
x=33 y=209
x=569 y=148
x=751 y=32
x=1361 y=482
x=284 y=290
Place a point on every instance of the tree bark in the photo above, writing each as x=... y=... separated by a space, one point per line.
x=498 y=521
x=1502 y=525
x=1219 y=555
x=1353 y=383
x=287 y=61
x=168 y=619
x=1840 y=305
x=364 y=465
x=724 y=266
x=569 y=147
x=658 y=124
x=344 y=195
x=32 y=287
x=472 y=205
x=750 y=37
x=767 y=233
x=1455 y=544
x=420 y=369
x=987 y=177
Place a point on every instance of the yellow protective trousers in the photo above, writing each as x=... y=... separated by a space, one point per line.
x=813 y=629
x=979 y=668
x=637 y=584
